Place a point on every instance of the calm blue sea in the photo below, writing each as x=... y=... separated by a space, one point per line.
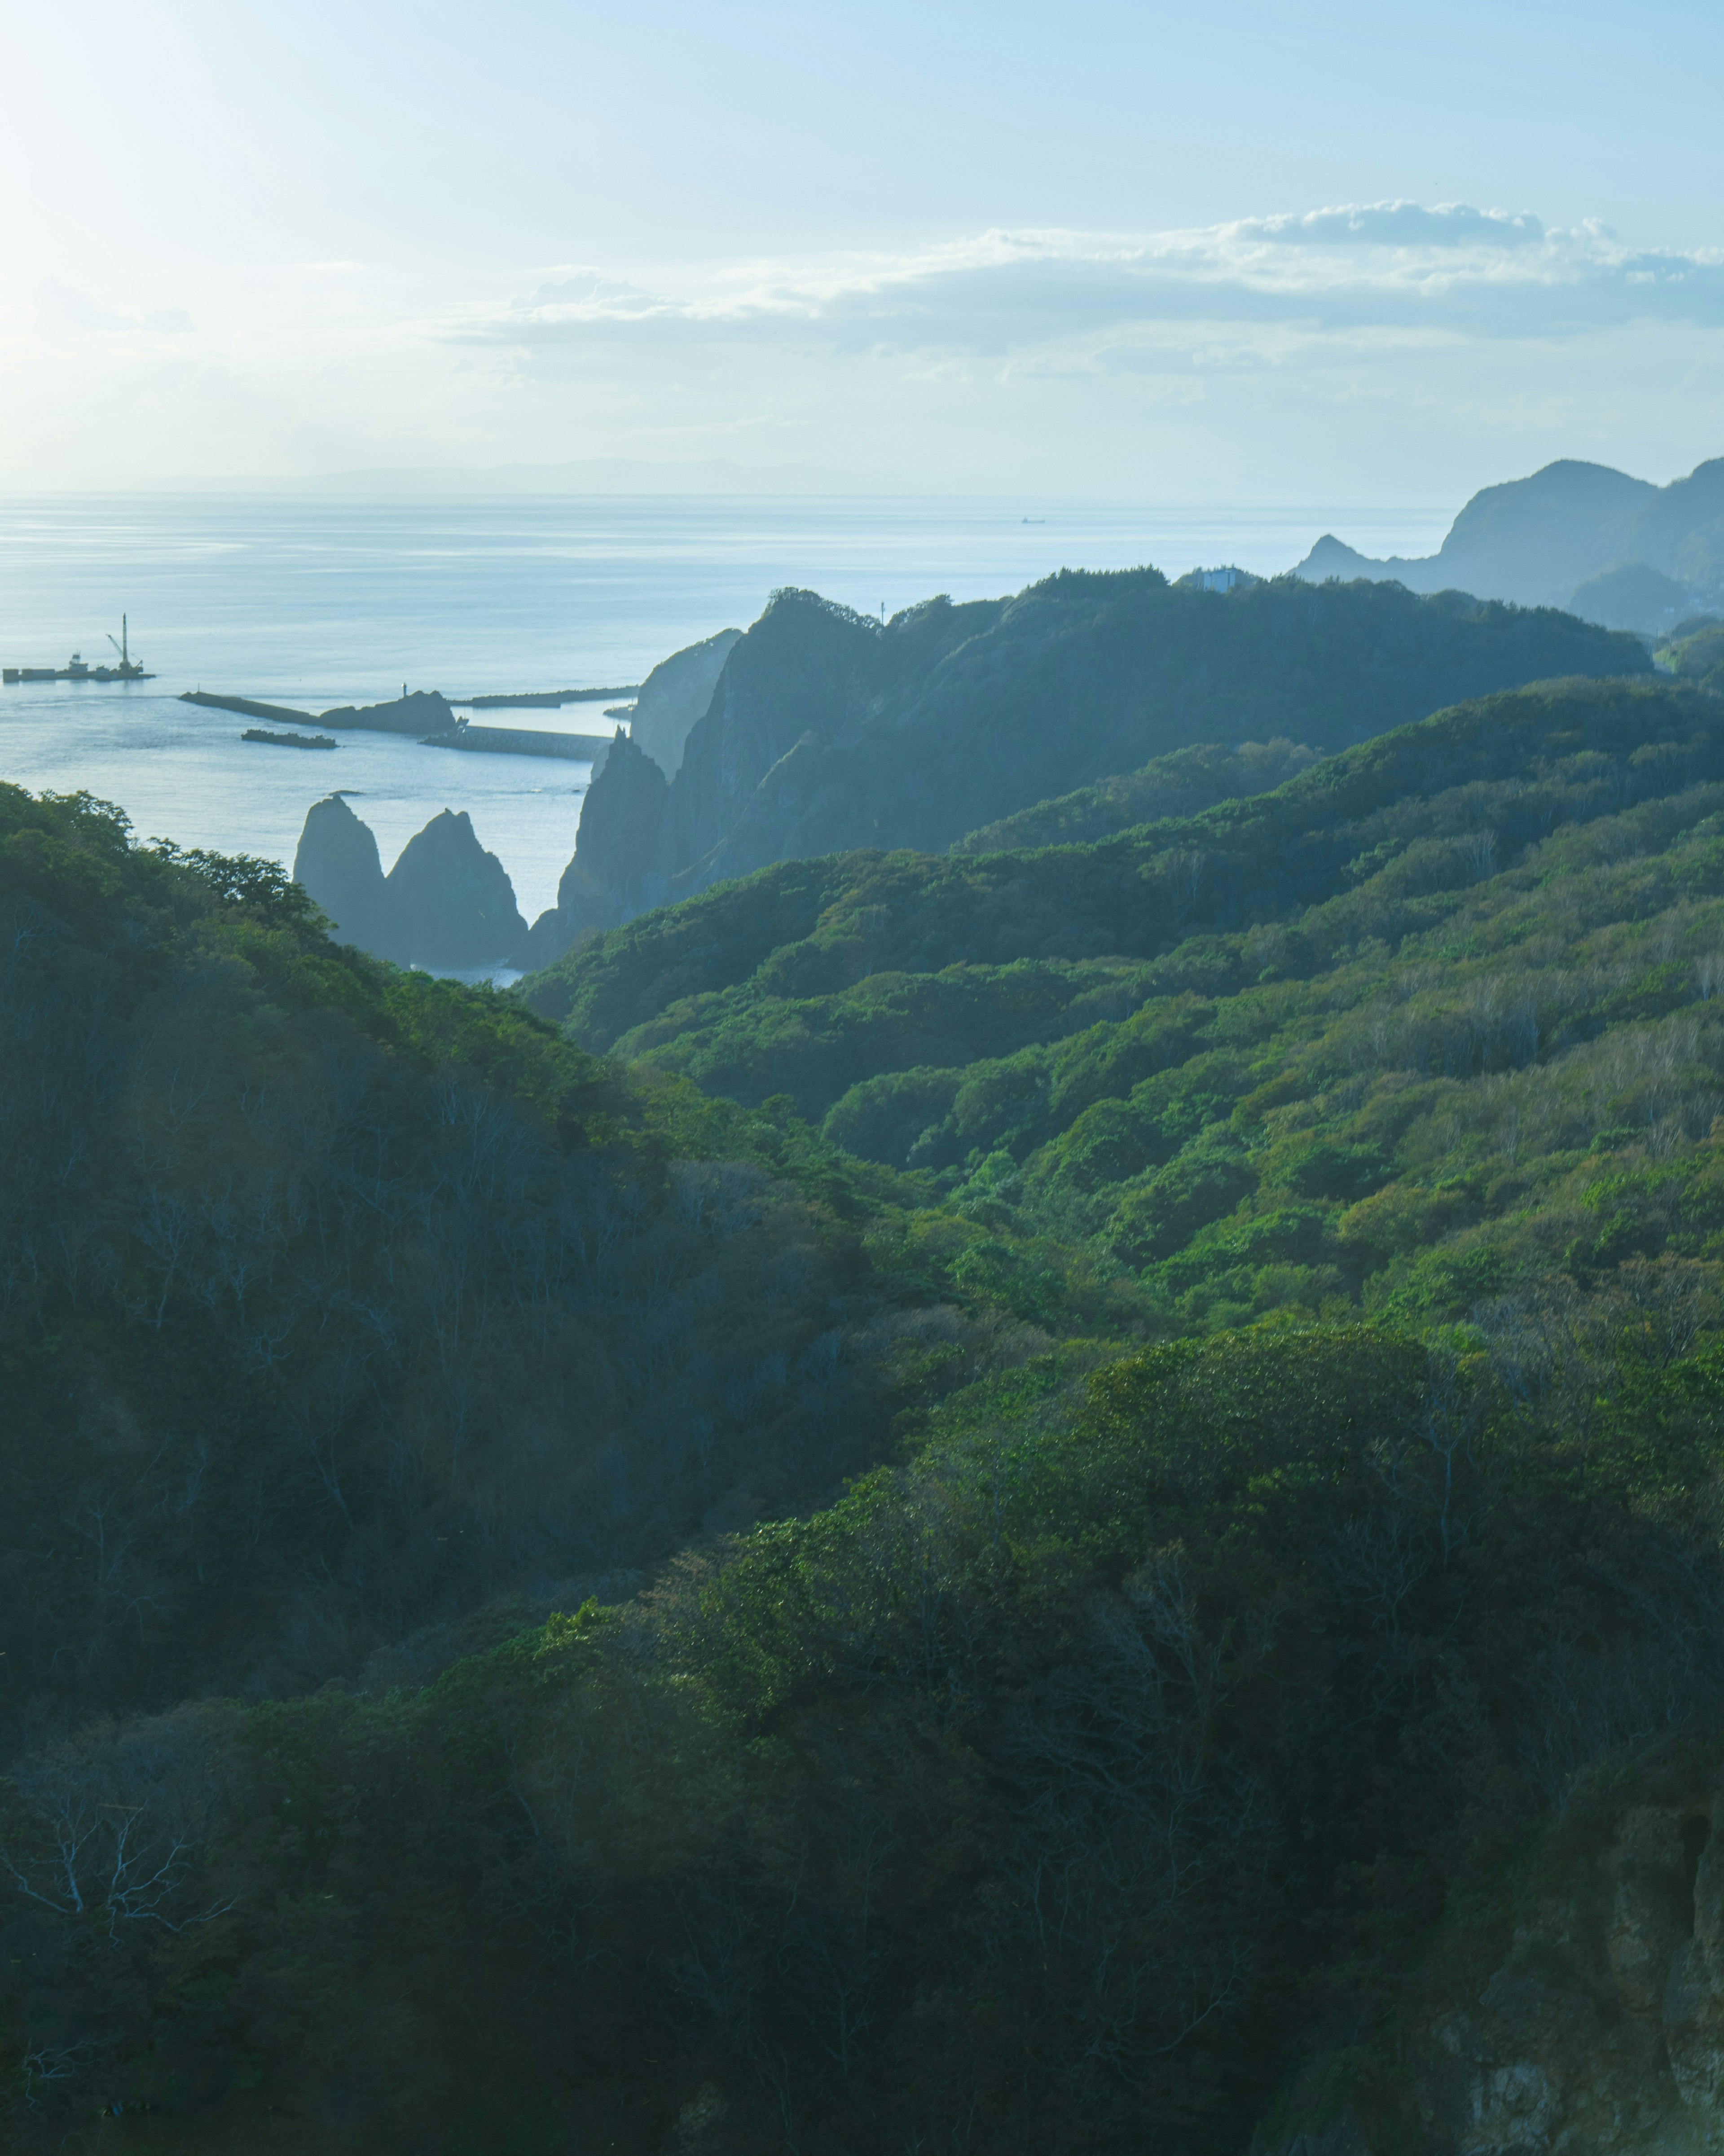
x=315 y=602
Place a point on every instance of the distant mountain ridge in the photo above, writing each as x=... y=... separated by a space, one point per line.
x=1537 y=540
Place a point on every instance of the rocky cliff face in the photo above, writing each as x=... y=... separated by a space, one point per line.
x=446 y=904
x=616 y=871
x=336 y=864
x=426 y=711
x=805 y=672
x=675 y=694
x=1601 y=2027
x=803 y=669
x=618 y=853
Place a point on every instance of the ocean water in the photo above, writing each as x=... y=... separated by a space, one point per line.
x=315 y=602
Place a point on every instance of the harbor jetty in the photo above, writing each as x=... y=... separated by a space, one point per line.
x=522 y=740
x=247 y=708
x=408 y=715
x=544 y=700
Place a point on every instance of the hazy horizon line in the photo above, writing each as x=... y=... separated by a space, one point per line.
x=627 y=477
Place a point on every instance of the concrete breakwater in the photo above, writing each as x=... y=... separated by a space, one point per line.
x=522 y=740
x=543 y=698
x=247 y=708
x=426 y=717
x=424 y=712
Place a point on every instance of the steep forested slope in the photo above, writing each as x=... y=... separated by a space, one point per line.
x=1263 y=1273
x=1696 y=654
x=1431 y=1023
x=828 y=730
x=1180 y=784
x=1062 y=1789
x=1513 y=767
x=338 y=1300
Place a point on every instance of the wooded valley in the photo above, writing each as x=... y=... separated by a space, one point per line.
x=1045 y=1497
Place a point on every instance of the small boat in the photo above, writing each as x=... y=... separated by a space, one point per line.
x=77 y=667
x=290 y=741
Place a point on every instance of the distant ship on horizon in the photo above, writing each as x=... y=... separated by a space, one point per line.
x=77 y=669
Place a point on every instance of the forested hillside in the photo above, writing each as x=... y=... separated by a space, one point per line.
x=1057 y=1499
x=1070 y=1787
x=1432 y=1024
x=1177 y=785
x=1518 y=766
x=830 y=730
x=1696 y=654
x=339 y=1301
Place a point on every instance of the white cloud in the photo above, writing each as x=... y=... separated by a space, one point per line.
x=1397 y=224
x=577 y=288
x=1347 y=352
x=61 y=311
x=1450 y=269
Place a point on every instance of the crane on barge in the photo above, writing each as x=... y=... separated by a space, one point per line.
x=76 y=670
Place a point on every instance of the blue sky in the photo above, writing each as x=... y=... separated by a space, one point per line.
x=1330 y=255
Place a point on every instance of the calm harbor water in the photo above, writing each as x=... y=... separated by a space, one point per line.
x=315 y=602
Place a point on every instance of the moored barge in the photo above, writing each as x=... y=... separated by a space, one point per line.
x=76 y=669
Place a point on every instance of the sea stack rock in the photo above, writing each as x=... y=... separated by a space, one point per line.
x=675 y=694
x=426 y=711
x=337 y=867
x=451 y=903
